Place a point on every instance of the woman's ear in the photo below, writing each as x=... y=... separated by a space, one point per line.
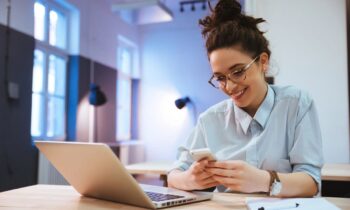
x=264 y=61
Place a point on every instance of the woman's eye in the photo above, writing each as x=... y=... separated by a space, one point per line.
x=238 y=73
x=220 y=78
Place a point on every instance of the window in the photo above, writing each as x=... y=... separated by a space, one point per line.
x=50 y=24
x=127 y=66
x=49 y=71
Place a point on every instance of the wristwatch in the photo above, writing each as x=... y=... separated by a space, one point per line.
x=275 y=184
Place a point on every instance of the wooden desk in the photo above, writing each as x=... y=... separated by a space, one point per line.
x=336 y=180
x=336 y=172
x=58 y=197
x=158 y=168
x=155 y=168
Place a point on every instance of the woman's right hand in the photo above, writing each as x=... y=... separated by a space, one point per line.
x=195 y=178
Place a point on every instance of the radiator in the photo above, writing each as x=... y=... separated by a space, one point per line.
x=47 y=174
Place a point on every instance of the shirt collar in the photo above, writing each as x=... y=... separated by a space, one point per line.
x=265 y=109
x=242 y=117
x=262 y=114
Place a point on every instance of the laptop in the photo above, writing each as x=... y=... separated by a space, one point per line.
x=95 y=171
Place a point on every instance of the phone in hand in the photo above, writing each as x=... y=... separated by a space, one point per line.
x=199 y=154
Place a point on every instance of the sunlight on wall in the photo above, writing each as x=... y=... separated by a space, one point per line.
x=172 y=116
x=83 y=119
x=167 y=125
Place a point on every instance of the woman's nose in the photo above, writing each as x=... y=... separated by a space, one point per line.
x=230 y=86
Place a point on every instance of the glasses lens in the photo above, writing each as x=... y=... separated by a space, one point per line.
x=218 y=82
x=237 y=75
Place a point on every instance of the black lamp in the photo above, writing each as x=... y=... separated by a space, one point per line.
x=193 y=3
x=181 y=102
x=96 y=96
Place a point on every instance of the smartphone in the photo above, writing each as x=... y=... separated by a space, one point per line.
x=199 y=154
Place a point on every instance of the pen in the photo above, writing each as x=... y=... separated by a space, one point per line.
x=280 y=207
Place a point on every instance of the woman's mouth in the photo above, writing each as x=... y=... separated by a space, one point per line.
x=239 y=94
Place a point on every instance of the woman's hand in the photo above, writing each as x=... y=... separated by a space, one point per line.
x=195 y=178
x=239 y=176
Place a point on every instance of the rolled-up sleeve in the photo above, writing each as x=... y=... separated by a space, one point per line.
x=194 y=141
x=306 y=154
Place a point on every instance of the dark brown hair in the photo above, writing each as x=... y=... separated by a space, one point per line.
x=227 y=27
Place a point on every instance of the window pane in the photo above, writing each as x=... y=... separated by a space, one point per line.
x=58 y=29
x=55 y=117
x=39 y=21
x=123 y=109
x=38 y=71
x=57 y=76
x=37 y=114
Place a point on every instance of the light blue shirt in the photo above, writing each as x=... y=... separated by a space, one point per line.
x=284 y=135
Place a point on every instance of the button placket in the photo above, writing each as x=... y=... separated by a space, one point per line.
x=252 y=151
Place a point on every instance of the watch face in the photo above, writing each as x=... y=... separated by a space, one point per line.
x=276 y=188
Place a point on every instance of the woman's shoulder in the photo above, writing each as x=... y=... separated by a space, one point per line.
x=220 y=108
x=292 y=94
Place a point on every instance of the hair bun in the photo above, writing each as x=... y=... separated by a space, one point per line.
x=224 y=11
x=227 y=26
x=227 y=10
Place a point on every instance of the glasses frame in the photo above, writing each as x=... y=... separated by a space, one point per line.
x=244 y=70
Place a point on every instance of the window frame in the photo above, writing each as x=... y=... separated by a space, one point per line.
x=47 y=49
x=51 y=5
x=124 y=43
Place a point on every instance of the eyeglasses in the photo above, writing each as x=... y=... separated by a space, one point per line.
x=236 y=76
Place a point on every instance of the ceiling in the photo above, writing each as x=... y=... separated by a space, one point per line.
x=173 y=5
x=149 y=11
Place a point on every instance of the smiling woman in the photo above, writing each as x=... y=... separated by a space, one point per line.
x=266 y=138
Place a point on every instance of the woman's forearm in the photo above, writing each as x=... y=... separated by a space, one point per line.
x=176 y=180
x=297 y=184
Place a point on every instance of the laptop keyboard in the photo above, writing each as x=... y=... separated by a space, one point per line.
x=162 y=197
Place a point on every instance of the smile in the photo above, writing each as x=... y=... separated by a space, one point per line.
x=238 y=95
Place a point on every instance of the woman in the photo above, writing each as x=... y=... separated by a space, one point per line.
x=266 y=138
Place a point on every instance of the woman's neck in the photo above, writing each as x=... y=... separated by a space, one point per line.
x=253 y=108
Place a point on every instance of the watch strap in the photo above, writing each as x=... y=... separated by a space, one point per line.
x=273 y=177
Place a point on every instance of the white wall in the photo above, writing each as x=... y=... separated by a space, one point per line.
x=22 y=17
x=308 y=41
x=174 y=65
x=99 y=30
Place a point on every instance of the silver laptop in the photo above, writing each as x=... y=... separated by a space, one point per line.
x=95 y=171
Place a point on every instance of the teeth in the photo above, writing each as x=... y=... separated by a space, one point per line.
x=239 y=93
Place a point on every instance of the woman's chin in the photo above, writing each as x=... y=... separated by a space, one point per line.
x=240 y=103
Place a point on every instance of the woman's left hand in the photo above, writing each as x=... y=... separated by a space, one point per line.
x=239 y=176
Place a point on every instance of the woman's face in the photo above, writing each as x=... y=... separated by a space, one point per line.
x=249 y=92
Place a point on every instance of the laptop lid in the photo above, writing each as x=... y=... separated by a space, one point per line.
x=95 y=171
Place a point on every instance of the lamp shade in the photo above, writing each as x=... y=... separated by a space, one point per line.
x=144 y=11
x=181 y=102
x=96 y=96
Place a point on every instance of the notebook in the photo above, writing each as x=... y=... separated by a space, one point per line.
x=289 y=203
x=95 y=171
